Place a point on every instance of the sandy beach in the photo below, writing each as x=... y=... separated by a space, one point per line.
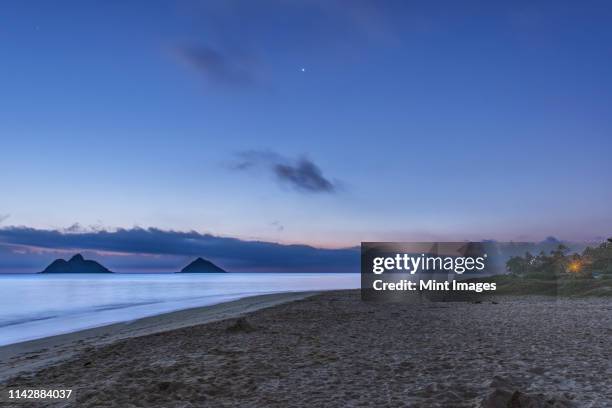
x=332 y=349
x=36 y=354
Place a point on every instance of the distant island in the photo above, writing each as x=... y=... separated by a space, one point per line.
x=202 y=265
x=76 y=264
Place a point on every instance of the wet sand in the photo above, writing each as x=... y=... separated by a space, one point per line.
x=333 y=350
x=36 y=354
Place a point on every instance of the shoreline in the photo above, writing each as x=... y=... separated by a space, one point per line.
x=36 y=354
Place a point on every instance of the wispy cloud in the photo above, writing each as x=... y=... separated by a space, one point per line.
x=238 y=38
x=219 y=66
x=277 y=226
x=302 y=174
x=3 y=217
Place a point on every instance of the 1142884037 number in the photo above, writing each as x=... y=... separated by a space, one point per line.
x=39 y=394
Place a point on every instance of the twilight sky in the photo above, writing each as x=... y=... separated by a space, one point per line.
x=314 y=122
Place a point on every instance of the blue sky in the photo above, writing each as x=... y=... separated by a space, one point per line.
x=428 y=120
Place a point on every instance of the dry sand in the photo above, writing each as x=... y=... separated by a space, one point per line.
x=334 y=350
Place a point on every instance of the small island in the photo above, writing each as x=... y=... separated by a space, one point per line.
x=76 y=264
x=202 y=265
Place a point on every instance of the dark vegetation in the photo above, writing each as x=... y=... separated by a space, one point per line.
x=558 y=273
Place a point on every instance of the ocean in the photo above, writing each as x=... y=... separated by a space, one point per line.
x=34 y=306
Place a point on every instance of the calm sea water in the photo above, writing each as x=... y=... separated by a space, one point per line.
x=35 y=306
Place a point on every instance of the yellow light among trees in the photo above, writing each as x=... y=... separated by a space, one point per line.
x=575 y=266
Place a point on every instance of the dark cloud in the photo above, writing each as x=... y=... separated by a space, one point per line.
x=233 y=253
x=220 y=67
x=302 y=174
x=76 y=227
x=3 y=217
